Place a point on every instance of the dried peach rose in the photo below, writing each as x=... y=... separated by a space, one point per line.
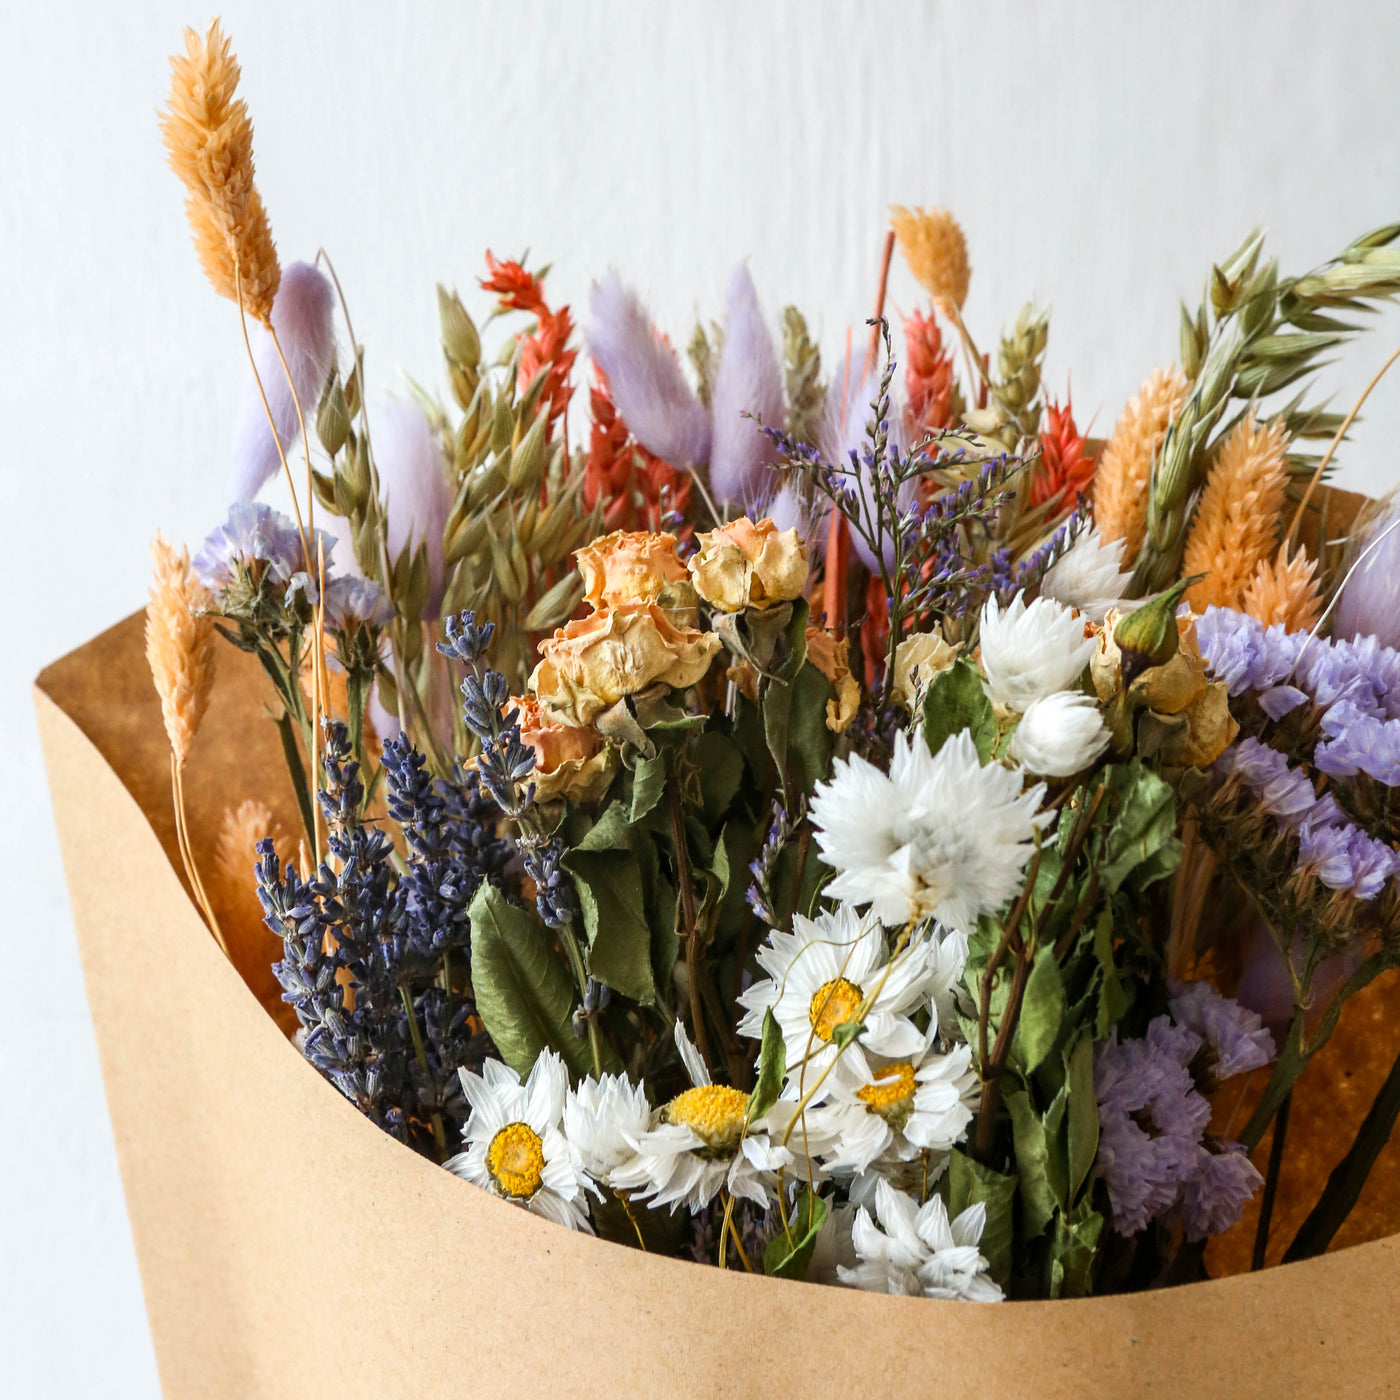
x=829 y=654
x=748 y=564
x=570 y=760
x=635 y=566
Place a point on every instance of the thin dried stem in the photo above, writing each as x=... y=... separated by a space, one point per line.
x=182 y=838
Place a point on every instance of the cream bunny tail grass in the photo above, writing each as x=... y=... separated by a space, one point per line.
x=1125 y=468
x=209 y=139
x=1237 y=520
x=935 y=250
x=1284 y=591
x=179 y=645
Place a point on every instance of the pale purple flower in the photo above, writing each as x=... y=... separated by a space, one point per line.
x=1345 y=858
x=645 y=378
x=1214 y=1195
x=302 y=318
x=1357 y=742
x=1243 y=653
x=749 y=380
x=1282 y=791
x=413 y=485
x=252 y=533
x=788 y=512
x=352 y=602
x=1235 y=1034
x=1369 y=605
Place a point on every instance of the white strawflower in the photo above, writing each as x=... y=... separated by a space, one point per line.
x=1031 y=651
x=939 y=835
x=818 y=975
x=902 y=1109
x=1089 y=575
x=697 y=1146
x=919 y=1251
x=604 y=1120
x=514 y=1147
x=1060 y=735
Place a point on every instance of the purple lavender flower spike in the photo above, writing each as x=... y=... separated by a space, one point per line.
x=1369 y=605
x=1214 y=1196
x=647 y=384
x=749 y=380
x=413 y=483
x=1236 y=1035
x=302 y=318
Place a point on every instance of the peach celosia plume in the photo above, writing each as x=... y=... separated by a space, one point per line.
x=928 y=376
x=1237 y=519
x=1064 y=470
x=209 y=139
x=1284 y=591
x=1125 y=468
x=179 y=645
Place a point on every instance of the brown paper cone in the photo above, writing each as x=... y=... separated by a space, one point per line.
x=289 y=1248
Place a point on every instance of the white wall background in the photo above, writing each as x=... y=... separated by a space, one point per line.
x=1099 y=156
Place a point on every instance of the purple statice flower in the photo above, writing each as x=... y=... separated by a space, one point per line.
x=1151 y=1120
x=1244 y=653
x=1369 y=604
x=1342 y=855
x=1282 y=791
x=302 y=317
x=1358 y=742
x=1214 y=1195
x=1236 y=1035
x=748 y=385
x=646 y=380
x=353 y=602
x=251 y=534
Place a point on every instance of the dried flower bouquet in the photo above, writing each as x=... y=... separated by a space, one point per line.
x=846 y=826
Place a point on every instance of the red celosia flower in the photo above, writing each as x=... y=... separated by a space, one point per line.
x=518 y=290
x=636 y=488
x=1063 y=471
x=928 y=374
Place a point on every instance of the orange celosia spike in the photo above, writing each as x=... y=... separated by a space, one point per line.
x=928 y=374
x=1063 y=471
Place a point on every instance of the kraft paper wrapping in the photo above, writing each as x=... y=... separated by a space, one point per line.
x=288 y=1248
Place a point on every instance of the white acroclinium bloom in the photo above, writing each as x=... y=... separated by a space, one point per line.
x=1060 y=735
x=1089 y=575
x=1029 y=652
x=818 y=975
x=604 y=1120
x=919 y=1251
x=940 y=835
x=697 y=1145
x=514 y=1146
x=920 y=1104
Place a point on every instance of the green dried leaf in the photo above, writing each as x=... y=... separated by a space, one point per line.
x=970 y=1182
x=956 y=701
x=782 y=1259
x=1042 y=1011
x=772 y=1066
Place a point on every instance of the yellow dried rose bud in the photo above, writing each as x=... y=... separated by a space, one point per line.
x=570 y=760
x=591 y=663
x=831 y=656
x=1176 y=686
x=635 y=566
x=1213 y=727
x=748 y=564
x=917 y=660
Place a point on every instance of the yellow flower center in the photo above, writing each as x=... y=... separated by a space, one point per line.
x=890 y=1093
x=515 y=1160
x=714 y=1112
x=833 y=1004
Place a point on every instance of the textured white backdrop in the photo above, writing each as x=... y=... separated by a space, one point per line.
x=1098 y=155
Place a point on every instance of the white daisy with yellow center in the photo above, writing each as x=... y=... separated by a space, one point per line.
x=821 y=977
x=903 y=1109
x=697 y=1146
x=514 y=1146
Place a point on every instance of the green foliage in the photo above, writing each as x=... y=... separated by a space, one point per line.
x=970 y=1182
x=790 y=1257
x=956 y=701
x=772 y=1066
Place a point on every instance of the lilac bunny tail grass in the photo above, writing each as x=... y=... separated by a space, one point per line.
x=790 y=509
x=1369 y=604
x=647 y=383
x=302 y=318
x=413 y=484
x=749 y=380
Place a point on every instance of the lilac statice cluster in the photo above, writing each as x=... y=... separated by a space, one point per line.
x=1156 y=1158
x=506 y=763
x=369 y=956
x=1342 y=855
x=252 y=536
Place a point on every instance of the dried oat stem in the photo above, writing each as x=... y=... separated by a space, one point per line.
x=267 y=409
x=182 y=838
x=1332 y=446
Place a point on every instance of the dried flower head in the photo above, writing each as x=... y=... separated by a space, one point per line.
x=1125 y=468
x=179 y=645
x=936 y=251
x=1284 y=591
x=209 y=139
x=1237 y=520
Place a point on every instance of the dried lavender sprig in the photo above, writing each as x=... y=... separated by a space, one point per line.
x=781 y=830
